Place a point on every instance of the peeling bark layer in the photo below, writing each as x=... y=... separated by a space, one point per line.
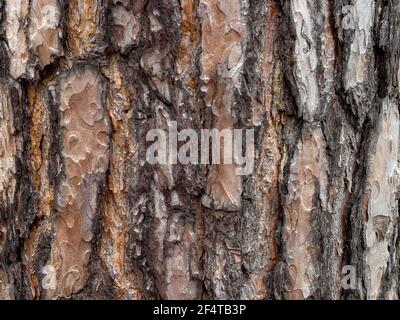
x=84 y=215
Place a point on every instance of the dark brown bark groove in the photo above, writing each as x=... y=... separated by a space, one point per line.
x=83 y=215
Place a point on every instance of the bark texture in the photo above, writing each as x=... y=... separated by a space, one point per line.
x=83 y=215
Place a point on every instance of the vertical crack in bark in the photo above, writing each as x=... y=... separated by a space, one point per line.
x=83 y=215
x=263 y=74
x=10 y=151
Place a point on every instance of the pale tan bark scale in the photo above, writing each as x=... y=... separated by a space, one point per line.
x=85 y=155
x=84 y=215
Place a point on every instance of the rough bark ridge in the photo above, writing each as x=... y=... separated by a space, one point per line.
x=83 y=215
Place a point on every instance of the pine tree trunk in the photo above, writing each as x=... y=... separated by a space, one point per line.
x=83 y=215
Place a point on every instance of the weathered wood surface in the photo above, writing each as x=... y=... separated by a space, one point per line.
x=83 y=81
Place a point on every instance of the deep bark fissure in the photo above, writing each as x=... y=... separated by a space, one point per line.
x=83 y=215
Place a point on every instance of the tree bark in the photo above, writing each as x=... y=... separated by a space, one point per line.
x=83 y=215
